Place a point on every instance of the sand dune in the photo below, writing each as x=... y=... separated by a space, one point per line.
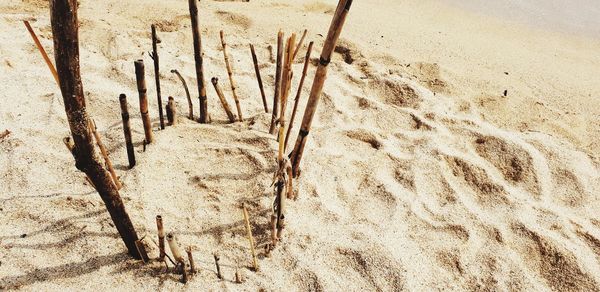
x=407 y=183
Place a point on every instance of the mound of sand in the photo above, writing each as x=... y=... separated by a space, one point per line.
x=411 y=179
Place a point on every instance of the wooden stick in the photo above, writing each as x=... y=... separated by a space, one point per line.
x=171 y=112
x=230 y=116
x=217 y=258
x=176 y=252
x=298 y=93
x=63 y=19
x=142 y=251
x=187 y=94
x=154 y=56
x=250 y=237
x=127 y=130
x=161 y=238
x=317 y=87
x=141 y=85
x=42 y=51
x=199 y=61
x=230 y=74
x=299 y=44
x=277 y=95
x=260 y=83
x=191 y=260
x=104 y=153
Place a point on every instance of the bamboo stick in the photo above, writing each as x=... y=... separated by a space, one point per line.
x=260 y=83
x=298 y=93
x=199 y=61
x=42 y=51
x=127 y=130
x=104 y=153
x=177 y=256
x=191 y=260
x=277 y=95
x=217 y=258
x=187 y=94
x=63 y=19
x=250 y=237
x=230 y=116
x=171 y=112
x=154 y=56
x=161 y=238
x=141 y=85
x=317 y=87
x=230 y=74
x=299 y=44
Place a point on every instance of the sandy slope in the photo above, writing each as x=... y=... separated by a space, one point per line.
x=418 y=174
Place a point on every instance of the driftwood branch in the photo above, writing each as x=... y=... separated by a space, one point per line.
x=63 y=19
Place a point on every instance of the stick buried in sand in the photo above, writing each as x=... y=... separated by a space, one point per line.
x=260 y=83
x=300 y=44
x=250 y=237
x=277 y=94
x=161 y=238
x=104 y=153
x=187 y=94
x=127 y=130
x=42 y=51
x=63 y=19
x=217 y=259
x=230 y=74
x=141 y=85
x=171 y=112
x=230 y=116
x=176 y=252
x=154 y=56
x=193 y=4
x=191 y=260
x=317 y=87
x=297 y=99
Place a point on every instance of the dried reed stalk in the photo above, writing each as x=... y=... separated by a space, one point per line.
x=63 y=19
x=127 y=130
x=217 y=258
x=104 y=153
x=154 y=56
x=230 y=116
x=176 y=252
x=230 y=74
x=191 y=260
x=161 y=239
x=199 y=61
x=299 y=44
x=42 y=51
x=140 y=76
x=260 y=83
x=317 y=87
x=298 y=93
x=250 y=237
x=171 y=112
x=187 y=94
x=277 y=95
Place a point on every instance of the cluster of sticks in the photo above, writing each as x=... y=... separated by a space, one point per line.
x=102 y=176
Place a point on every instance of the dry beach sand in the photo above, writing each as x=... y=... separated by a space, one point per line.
x=418 y=174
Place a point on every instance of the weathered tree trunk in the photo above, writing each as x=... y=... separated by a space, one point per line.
x=230 y=74
x=187 y=94
x=127 y=130
x=297 y=99
x=277 y=95
x=141 y=85
x=155 y=58
x=63 y=18
x=199 y=62
x=260 y=83
x=317 y=87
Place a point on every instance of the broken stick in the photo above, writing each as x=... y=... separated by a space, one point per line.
x=193 y=4
x=230 y=116
x=154 y=56
x=141 y=85
x=298 y=93
x=42 y=51
x=299 y=44
x=250 y=237
x=171 y=112
x=260 y=83
x=230 y=74
x=104 y=153
x=127 y=130
x=277 y=95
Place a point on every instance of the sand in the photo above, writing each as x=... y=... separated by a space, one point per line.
x=418 y=173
